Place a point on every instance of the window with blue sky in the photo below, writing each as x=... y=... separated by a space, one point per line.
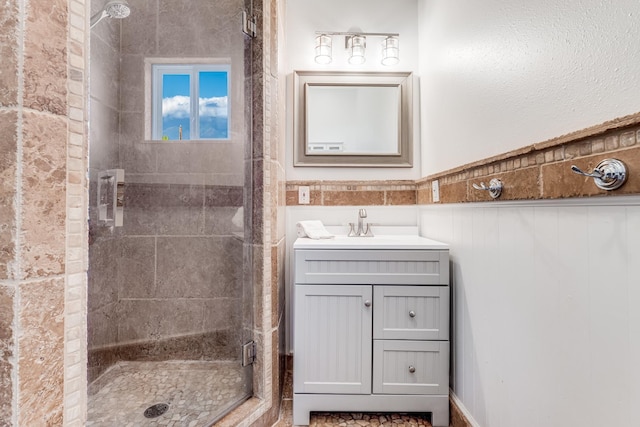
x=190 y=102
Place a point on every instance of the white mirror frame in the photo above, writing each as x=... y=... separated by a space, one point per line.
x=402 y=80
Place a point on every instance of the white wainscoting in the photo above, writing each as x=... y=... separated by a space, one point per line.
x=546 y=309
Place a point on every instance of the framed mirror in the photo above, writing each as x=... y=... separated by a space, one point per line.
x=353 y=119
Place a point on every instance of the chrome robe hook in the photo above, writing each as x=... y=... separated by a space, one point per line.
x=494 y=188
x=608 y=175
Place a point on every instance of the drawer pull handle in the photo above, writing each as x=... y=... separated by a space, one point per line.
x=412 y=369
x=367 y=303
x=412 y=313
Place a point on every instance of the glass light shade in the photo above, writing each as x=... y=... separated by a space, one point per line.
x=323 y=49
x=390 y=51
x=356 y=46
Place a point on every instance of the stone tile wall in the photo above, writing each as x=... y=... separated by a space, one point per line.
x=43 y=292
x=350 y=193
x=42 y=237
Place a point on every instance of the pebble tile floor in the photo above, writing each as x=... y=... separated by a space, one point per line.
x=343 y=419
x=196 y=392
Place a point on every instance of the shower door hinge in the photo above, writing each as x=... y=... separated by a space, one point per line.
x=248 y=353
x=248 y=25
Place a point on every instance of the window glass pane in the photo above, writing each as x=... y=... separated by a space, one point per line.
x=176 y=106
x=213 y=104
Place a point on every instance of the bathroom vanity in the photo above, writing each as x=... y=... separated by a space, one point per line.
x=371 y=326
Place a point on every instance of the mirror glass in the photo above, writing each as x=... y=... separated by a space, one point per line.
x=352 y=119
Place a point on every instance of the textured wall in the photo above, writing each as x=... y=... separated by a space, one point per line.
x=498 y=75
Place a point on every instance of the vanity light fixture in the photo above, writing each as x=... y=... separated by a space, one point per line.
x=355 y=43
x=323 y=49
x=356 y=46
x=390 y=51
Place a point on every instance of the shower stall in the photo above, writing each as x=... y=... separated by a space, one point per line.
x=170 y=292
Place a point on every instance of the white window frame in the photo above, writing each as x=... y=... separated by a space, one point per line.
x=158 y=70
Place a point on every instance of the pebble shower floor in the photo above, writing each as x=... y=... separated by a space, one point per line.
x=196 y=393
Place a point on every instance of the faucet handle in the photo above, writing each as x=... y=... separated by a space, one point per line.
x=362 y=213
x=352 y=232
x=369 y=230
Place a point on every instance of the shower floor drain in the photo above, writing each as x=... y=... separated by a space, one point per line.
x=156 y=410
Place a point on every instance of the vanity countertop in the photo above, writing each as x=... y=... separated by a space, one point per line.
x=389 y=238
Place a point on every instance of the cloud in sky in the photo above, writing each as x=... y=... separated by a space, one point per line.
x=213 y=107
x=178 y=107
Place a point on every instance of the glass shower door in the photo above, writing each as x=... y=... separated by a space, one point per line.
x=170 y=291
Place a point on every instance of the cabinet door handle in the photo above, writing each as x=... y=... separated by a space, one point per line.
x=412 y=313
x=367 y=303
x=412 y=369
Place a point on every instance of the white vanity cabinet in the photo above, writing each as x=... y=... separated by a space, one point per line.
x=371 y=327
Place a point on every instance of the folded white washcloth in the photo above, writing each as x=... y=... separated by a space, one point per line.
x=312 y=229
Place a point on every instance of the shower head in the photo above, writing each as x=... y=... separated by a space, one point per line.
x=117 y=9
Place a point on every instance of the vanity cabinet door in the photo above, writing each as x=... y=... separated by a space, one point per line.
x=332 y=339
x=411 y=313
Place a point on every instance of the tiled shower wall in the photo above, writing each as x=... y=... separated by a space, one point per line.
x=168 y=284
x=43 y=262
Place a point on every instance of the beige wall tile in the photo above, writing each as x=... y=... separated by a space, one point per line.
x=455 y=192
x=401 y=197
x=45 y=56
x=8 y=53
x=8 y=159
x=348 y=198
x=558 y=181
x=6 y=354
x=43 y=207
x=41 y=341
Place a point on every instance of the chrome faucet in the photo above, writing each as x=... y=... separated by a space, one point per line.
x=362 y=214
x=364 y=230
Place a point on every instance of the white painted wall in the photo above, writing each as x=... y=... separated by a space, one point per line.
x=304 y=18
x=497 y=75
x=546 y=321
x=546 y=325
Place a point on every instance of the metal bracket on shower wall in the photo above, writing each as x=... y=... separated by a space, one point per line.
x=248 y=353
x=248 y=25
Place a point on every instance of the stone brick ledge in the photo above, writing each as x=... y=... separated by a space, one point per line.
x=348 y=193
x=543 y=171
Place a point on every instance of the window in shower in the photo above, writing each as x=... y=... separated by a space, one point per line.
x=190 y=102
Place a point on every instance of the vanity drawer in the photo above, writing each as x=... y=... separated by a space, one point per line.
x=411 y=312
x=389 y=267
x=410 y=367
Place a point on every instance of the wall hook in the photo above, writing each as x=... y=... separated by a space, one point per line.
x=608 y=175
x=494 y=188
